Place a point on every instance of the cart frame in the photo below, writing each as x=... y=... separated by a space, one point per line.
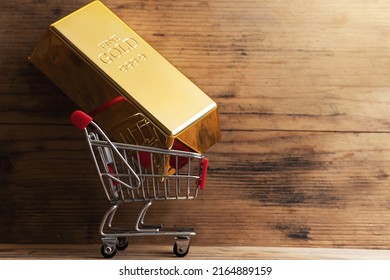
x=126 y=178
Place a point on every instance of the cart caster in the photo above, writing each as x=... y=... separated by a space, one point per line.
x=108 y=251
x=122 y=243
x=181 y=246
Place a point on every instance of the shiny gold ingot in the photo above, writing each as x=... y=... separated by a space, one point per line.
x=95 y=57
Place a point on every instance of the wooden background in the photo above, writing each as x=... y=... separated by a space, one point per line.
x=303 y=89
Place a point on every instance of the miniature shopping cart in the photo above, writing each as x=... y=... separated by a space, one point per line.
x=135 y=173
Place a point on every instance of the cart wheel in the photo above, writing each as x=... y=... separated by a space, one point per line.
x=108 y=252
x=181 y=247
x=122 y=243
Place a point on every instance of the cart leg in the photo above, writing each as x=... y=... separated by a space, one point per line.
x=109 y=215
x=140 y=225
x=110 y=218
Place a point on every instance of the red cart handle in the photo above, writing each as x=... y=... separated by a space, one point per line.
x=108 y=104
x=204 y=163
x=80 y=119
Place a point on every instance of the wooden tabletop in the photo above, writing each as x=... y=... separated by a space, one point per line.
x=144 y=252
x=303 y=89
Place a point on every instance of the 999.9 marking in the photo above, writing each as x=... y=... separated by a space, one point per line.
x=133 y=63
x=242 y=270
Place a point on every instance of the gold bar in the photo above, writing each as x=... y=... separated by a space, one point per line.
x=94 y=57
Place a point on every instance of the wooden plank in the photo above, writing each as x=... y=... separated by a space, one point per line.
x=332 y=109
x=145 y=252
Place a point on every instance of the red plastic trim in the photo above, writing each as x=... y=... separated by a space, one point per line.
x=204 y=165
x=111 y=170
x=107 y=105
x=80 y=119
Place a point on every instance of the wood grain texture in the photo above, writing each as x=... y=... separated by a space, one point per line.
x=164 y=252
x=303 y=90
